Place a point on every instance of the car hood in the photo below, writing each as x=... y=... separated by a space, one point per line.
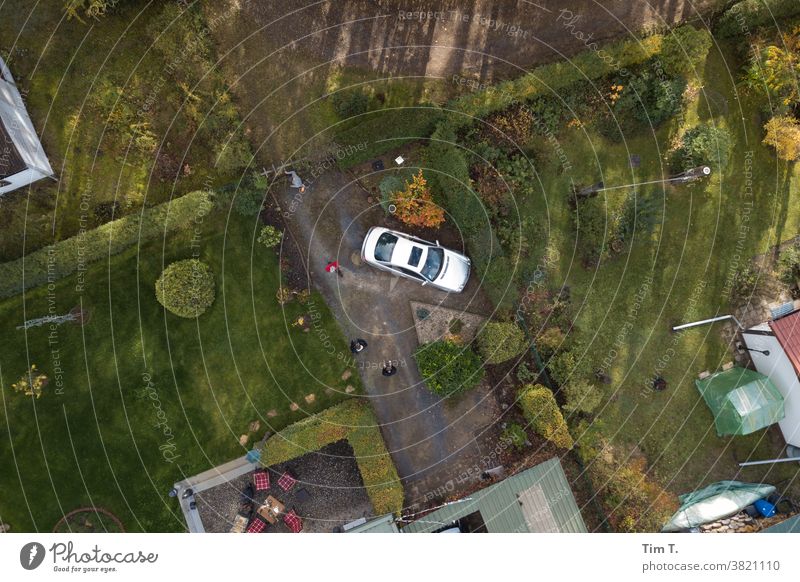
x=456 y=272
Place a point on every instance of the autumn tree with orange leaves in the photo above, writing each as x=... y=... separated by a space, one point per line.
x=415 y=206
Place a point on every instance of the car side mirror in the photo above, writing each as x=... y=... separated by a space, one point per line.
x=424 y=283
x=437 y=243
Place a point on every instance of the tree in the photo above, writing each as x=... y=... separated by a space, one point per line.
x=350 y=103
x=703 y=144
x=581 y=396
x=415 y=205
x=783 y=134
x=541 y=410
x=684 y=49
x=91 y=8
x=270 y=236
x=448 y=367
x=773 y=71
x=31 y=383
x=186 y=288
x=500 y=341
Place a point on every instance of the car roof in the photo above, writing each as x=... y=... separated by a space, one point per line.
x=402 y=253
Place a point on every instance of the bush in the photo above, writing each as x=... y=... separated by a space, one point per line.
x=524 y=373
x=772 y=72
x=31 y=383
x=65 y=257
x=684 y=50
x=703 y=145
x=186 y=288
x=349 y=103
x=89 y=8
x=270 y=236
x=568 y=366
x=645 y=100
x=631 y=501
x=598 y=228
x=515 y=435
x=581 y=396
x=500 y=341
x=745 y=283
x=511 y=128
x=783 y=134
x=789 y=265
x=448 y=368
x=415 y=205
x=541 y=410
x=749 y=14
x=549 y=341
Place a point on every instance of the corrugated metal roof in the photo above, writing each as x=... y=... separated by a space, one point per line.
x=787 y=330
x=791 y=525
x=536 y=500
x=383 y=524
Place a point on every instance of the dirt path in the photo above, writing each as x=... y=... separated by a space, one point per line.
x=432 y=441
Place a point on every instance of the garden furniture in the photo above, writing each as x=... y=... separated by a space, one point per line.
x=293 y=522
x=287 y=481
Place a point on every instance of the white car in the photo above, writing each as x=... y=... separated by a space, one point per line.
x=415 y=259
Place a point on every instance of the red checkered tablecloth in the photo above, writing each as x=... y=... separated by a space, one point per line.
x=261 y=480
x=293 y=521
x=286 y=481
x=256 y=526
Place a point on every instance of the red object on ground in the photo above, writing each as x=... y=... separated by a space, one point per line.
x=261 y=480
x=787 y=331
x=256 y=526
x=286 y=481
x=293 y=521
x=332 y=267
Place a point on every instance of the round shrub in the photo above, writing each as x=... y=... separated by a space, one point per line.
x=541 y=410
x=581 y=396
x=789 y=265
x=448 y=367
x=499 y=341
x=644 y=100
x=186 y=288
x=684 y=49
x=783 y=134
x=270 y=236
x=704 y=144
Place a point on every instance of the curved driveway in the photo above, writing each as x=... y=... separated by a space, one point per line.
x=436 y=444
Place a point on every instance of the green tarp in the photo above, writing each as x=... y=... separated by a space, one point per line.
x=741 y=400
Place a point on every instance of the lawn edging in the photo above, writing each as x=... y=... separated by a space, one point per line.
x=354 y=421
x=76 y=253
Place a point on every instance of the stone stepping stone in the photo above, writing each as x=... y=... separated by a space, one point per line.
x=254 y=426
x=294 y=407
x=243 y=439
x=310 y=398
x=272 y=413
x=347 y=374
x=349 y=389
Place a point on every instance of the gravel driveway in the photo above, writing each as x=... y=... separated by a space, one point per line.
x=432 y=441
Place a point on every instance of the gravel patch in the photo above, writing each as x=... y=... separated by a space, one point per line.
x=330 y=476
x=434 y=322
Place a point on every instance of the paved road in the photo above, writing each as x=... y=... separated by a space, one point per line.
x=432 y=441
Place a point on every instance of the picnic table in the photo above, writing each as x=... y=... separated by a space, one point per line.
x=271 y=509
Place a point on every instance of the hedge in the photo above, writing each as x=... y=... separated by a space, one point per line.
x=448 y=367
x=540 y=409
x=352 y=420
x=747 y=15
x=64 y=258
x=500 y=341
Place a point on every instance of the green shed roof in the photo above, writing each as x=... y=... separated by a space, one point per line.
x=741 y=400
x=791 y=525
x=538 y=500
x=382 y=524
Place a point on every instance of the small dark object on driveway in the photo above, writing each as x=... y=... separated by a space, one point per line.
x=377 y=165
x=389 y=369
x=659 y=384
x=357 y=345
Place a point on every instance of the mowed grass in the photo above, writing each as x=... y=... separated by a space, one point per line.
x=676 y=273
x=149 y=398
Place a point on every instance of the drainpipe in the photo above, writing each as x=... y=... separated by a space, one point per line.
x=707 y=321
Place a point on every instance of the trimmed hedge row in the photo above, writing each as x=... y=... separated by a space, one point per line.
x=64 y=258
x=354 y=421
x=750 y=14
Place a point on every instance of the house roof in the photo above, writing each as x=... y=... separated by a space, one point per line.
x=791 y=525
x=787 y=331
x=537 y=500
x=10 y=161
x=382 y=524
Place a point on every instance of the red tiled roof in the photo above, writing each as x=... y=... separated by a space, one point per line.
x=787 y=331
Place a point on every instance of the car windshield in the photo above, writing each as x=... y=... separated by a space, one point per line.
x=385 y=247
x=433 y=264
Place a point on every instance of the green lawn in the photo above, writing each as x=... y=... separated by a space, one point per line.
x=149 y=398
x=624 y=322
x=62 y=68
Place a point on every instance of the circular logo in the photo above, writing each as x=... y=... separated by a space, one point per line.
x=31 y=555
